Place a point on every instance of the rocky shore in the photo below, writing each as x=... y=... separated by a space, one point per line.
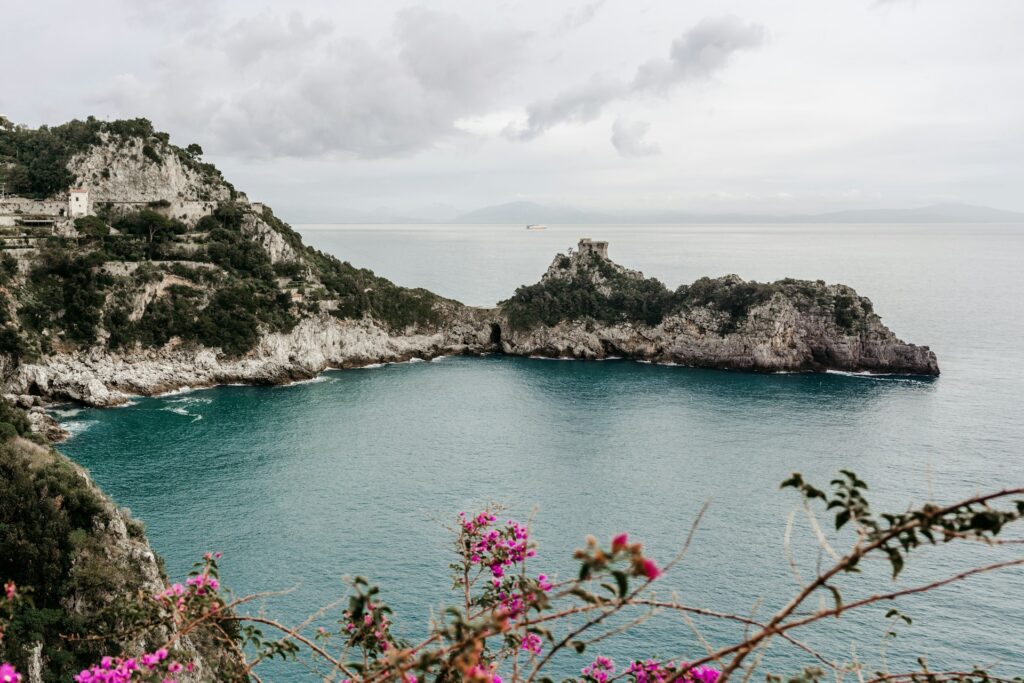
x=775 y=336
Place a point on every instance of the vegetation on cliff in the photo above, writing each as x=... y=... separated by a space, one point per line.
x=587 y=286
x=34 y=161
x=76 y=584
x=140 y=277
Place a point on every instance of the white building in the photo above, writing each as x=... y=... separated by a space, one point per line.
x=78 y=203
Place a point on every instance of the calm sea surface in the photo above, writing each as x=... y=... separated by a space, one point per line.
x=357 y=472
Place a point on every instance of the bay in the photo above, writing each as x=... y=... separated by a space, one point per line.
x=357 y=472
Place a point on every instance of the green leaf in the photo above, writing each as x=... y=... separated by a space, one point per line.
x=842 y=518
x=623 y=581
x=794 y=481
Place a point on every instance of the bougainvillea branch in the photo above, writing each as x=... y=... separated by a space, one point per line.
x=511 y=624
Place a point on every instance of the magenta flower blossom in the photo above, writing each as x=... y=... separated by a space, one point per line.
x=543 y=583
x=119 y=670
x=7 y=671
x=651 y=570
x=600 y=670
x=9 y=590
x=620 y=542
x=704 y=674
x=533 y=643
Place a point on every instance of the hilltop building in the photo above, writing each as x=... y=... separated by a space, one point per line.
x=78 y=203
x=589 y=246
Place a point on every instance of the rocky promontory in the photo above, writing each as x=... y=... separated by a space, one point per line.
x=129 y=266
x=586 y=306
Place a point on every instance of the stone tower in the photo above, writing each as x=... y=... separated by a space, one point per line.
x=78 y=202
x=589 y=246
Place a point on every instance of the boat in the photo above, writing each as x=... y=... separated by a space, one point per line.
x=536 y=226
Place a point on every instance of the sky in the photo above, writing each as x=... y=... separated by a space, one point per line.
x=332 y=111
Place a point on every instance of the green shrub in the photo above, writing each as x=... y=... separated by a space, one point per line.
x=575 y=297
x=92 y=227
x=7 y=431
x=150 y=153
x=65 y=294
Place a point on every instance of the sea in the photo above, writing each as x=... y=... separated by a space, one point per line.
x=362 y=472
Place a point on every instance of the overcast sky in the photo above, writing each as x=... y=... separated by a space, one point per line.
x=323 y=108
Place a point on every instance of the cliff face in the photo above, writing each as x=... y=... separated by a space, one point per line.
x=102 y=378
x=775 y=338
x=85 y=565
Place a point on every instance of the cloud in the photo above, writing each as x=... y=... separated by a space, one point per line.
x=581 y=16
x=696 y=55
x=628 y=138
x=580 y=105
x=699 y=53
x=270 y=87
x=250 y=40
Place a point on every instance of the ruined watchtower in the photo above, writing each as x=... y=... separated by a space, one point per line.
x=589 y=246
x=78 y=203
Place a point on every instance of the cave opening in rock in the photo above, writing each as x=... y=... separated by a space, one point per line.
x=496 y=335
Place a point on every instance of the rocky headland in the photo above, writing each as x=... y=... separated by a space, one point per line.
x=170 y=277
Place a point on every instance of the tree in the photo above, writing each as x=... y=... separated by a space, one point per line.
x=154 y=227
x=194 y=151
x=91 y=227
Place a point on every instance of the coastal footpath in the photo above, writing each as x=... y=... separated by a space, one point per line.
x=129 y=266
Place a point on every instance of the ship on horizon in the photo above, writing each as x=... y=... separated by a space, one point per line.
x=536 y=226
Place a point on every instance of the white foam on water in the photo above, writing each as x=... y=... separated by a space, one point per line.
x=76 y=427
x=875 y=377
x=175 y=392
x=371 y=366
x=65 y=412
x=415 y=360
x=127 y=404
x=311 y=380
x=437 y=359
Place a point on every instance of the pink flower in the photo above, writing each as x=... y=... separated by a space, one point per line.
x=543 y=583
x=704 y=674
x=7 y=672
x=600 y=670
x=533 y=643
x=620 y=542
x=650 y=569
x=9 y=590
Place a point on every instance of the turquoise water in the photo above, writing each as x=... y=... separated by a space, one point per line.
x=356 y=473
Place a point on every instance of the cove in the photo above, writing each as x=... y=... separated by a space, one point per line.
x=358 y=471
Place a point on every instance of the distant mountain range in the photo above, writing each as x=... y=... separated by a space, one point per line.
x=531 y=212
